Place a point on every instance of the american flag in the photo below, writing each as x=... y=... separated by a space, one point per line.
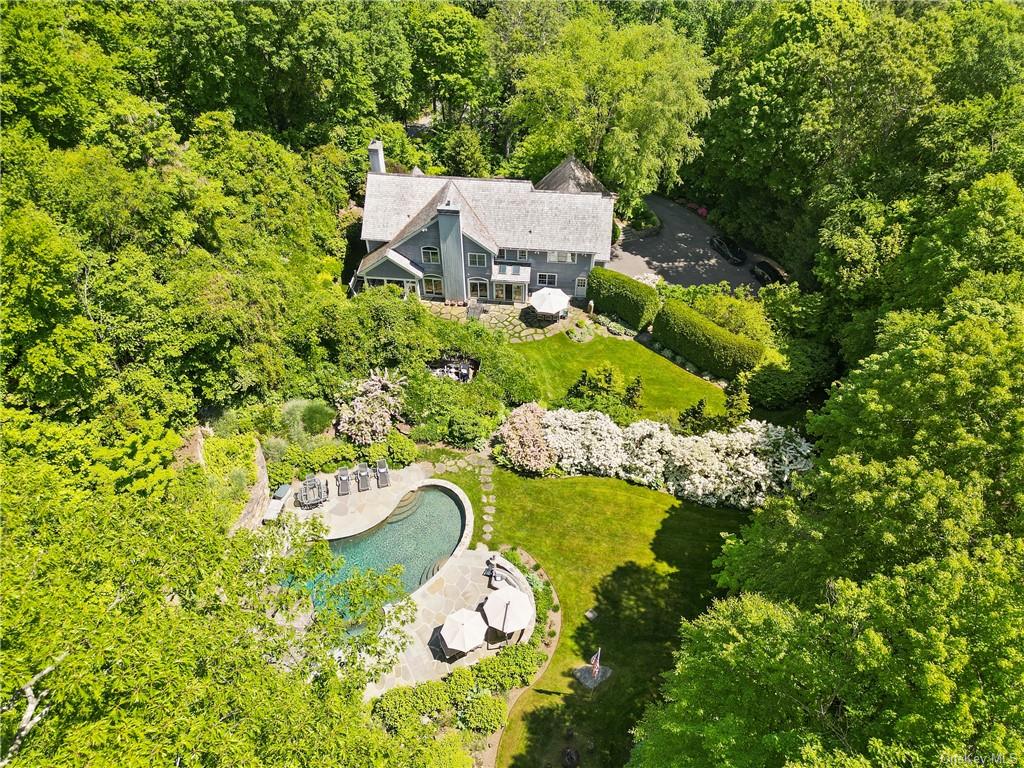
x=595 y=664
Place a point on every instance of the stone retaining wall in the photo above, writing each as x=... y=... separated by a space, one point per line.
x=259 y=494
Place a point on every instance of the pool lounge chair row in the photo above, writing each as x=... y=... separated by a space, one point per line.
x=343 y=477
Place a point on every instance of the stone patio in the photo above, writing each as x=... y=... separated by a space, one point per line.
x=516 y=320
x=361 y=510
x=459 y=584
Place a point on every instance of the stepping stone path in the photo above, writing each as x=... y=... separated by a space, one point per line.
x=479 y=463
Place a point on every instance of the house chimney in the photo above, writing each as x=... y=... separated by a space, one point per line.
x=377 y=157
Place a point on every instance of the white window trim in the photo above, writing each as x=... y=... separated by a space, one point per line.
x=581 y=282
x=561 y=257
x=432 y=249
x=484 y=283
x=433 y=277
x=520 y=254
x=469 y=259
x=553 y=284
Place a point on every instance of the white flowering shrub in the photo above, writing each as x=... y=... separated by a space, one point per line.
x=645 y=445
x=585 y=442
x=522 y=443
x=649 y=278
x=371 y=414
x=738 y=468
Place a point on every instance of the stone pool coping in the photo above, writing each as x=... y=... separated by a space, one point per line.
x=467 y=527
x=360 y=511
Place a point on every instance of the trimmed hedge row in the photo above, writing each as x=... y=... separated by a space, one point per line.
x=707 y=345
x=473 y=697
x=631 y=301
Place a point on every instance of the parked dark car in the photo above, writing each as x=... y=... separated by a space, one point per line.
x=768 y=271
x=729 y=249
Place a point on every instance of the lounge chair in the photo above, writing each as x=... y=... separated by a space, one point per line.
x=363 y=477
x=342 y=480
x=383 y=478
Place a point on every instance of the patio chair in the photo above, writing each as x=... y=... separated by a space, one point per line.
x=363 y=477
x=343 y=481
x=383 y=476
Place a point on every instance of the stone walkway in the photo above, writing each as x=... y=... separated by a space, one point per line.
x=516 y=320
x=482 y=465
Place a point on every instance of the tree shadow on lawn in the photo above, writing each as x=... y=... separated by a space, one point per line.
x=639 y=608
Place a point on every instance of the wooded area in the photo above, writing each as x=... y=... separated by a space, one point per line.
x=176 y=197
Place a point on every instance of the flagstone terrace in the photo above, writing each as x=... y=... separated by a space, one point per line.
x=517 y=320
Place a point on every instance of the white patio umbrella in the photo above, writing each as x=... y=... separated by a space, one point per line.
x=463 y=630
x=549 y=301
x=507 y=609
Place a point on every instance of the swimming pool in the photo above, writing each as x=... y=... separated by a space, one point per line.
x=420 y=534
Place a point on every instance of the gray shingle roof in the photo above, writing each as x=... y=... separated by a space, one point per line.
x=572 y=176
x=509 y=213
x=373 y=259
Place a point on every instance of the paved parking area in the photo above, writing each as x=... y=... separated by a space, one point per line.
x=680 y=252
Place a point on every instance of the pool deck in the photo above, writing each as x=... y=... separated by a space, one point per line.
x=459 y=584
x=359 y=511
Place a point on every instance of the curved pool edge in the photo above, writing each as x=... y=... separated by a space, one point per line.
x=467 y=528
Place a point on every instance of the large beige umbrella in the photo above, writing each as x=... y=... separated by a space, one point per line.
x=549 y=301
x=507 y=609
x=463 y=630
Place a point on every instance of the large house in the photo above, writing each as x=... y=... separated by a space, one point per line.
x=463 y=239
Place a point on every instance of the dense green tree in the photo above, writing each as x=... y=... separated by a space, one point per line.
x=388 y=55
x=922 y=453
x=152 y=635
x=919 y=667
x=520 y=29
x=450 y=64
x=984 y=232
x=462 y=153
x=604 y=389
x=624 y=101
x=296 y=68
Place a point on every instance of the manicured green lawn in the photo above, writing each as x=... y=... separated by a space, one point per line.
x=642 y=560
x=558 y=362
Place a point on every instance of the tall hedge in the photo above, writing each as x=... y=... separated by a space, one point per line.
x=705 y=344
x=631 y=301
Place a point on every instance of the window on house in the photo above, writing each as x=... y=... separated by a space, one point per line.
x=512 y=254
x=508 y=269
x=478 y=259
x=430 y=255
x=478 y=289
x=547 y=278
x=432 y=286
x=561 y=257
x=579 y=256
x=537 y=254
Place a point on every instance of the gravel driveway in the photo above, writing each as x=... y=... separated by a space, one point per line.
x=680 y=252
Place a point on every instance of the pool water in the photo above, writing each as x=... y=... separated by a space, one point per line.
x=420 y=535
